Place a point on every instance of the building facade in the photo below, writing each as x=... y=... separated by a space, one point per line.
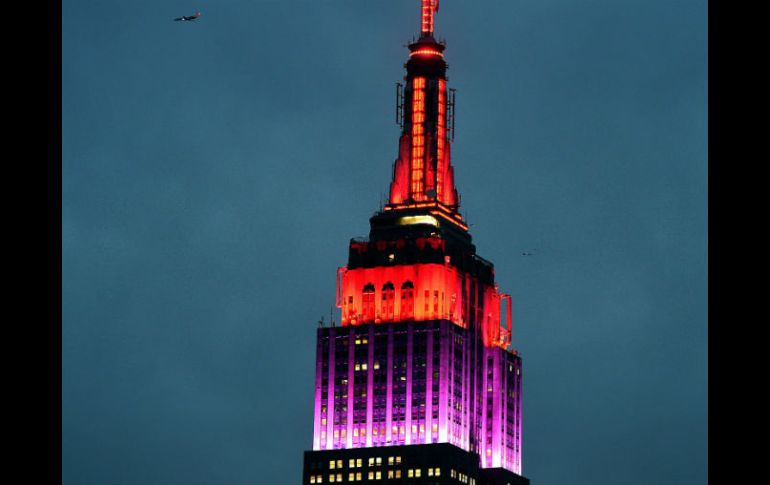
x=418 y=384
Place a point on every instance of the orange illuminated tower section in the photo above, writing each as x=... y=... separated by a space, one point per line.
x=423 y=173
x=419 y=383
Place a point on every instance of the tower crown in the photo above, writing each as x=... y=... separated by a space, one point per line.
x=423 y=177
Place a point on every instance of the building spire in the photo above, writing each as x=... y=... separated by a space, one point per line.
x=429 y=8
x=423 y=175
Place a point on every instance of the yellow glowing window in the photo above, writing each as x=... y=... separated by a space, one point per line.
x=331 y=478
x=430 y=472
x=351 y=476
x=410 y=473
x=376 y=365
x=390 y=460
x=434 y=427
x=438 y=472
x=319 y=479
x=378 y=475
x=363 y=366
x=358 y=341
x=398 y=460
x=339 y=463
x=414 y=428
x=352 y=462
x=378 y=460
x=489 y=451
x=371 y=475
x=312 y=478
x=398 y=473
x=332 y=464
x=358 y=366
x=417 y=472
x=323 y=421
x=355 y=432
x=409 y=220
x=359 y=463
x=371 y=461
x=390 y=473
x=344 y=433
x=358 y=475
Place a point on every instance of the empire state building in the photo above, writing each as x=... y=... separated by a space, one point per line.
x=419 y=383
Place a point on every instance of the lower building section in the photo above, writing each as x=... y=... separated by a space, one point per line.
x=431 y=464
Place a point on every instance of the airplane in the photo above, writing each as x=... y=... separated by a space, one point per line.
x=188 y=17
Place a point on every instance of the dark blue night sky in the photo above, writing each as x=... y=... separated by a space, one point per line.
x=214 y=171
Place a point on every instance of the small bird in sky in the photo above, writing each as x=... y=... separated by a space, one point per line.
x=187 y=18
x=528 y=253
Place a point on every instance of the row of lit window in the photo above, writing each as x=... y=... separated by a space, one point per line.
x=462 y=477
x=377 y=475
x=359 y=463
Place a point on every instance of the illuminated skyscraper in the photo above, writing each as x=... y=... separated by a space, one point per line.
x=418 y=384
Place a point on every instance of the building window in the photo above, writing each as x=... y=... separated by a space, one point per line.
x=388 y=297
x=407 y=300
x=368 y=303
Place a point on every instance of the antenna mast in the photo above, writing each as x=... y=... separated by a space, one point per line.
x=429 y=7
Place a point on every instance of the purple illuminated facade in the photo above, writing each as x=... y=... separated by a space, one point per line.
x=423 y=352
x=417 y=383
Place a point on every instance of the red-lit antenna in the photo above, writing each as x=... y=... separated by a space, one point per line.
x=429 y=8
